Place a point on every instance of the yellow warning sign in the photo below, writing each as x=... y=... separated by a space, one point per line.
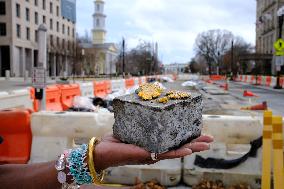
x=279 y=47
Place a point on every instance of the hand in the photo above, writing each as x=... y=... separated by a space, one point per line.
x=111 y=152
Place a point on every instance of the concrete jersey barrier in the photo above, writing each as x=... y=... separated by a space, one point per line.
x=117 y=85
x=87 y=89
x=232 y=137
x=16 y=99
x=53 y=132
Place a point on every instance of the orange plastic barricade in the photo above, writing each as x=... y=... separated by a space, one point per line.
x=35 y=102
x=282 y=81
x=68 y=92
x=129 y=83
x=108 y=86
x=53 y=94
x=100 y=89
x=217 y=77
x=246 y=78
x=252 y=79
x=16 y=133
x=268 y=81
x=259 y=80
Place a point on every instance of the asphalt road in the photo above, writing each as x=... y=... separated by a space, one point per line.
x=274 y=98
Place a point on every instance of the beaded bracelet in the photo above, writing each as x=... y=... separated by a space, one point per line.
x=60 y=166
x=97 y=178
x=77 y=166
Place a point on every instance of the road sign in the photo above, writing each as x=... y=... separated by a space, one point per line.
x=279 y=47
x=39 y=78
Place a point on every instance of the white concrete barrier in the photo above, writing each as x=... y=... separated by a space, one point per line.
x=117 y=85
x=136 y=81
x=232 y=137
x=143 y=79
x=273 y=81
x=87 y=89
x=53 y=132
x=16 y=99
x=249 y=79
x=263 y=80
x=167 y=172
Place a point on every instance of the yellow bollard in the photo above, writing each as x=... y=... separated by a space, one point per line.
x=277 y=137
x=266 y=150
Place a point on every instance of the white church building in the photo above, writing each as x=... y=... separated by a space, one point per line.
x=105 y=53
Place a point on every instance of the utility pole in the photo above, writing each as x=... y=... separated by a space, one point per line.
x=232 y=60
x=123 y=57
x=39 y=76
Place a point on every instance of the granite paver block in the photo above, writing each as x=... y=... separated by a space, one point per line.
x=157 y=127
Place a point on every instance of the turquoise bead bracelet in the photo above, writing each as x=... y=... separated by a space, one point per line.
x=77 y=166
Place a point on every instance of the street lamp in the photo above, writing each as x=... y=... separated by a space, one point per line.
x=218 y=64
x=279 y=57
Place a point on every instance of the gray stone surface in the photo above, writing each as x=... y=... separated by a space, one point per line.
x=157 y=127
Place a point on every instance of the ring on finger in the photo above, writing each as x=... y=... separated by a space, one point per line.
x=154 y=156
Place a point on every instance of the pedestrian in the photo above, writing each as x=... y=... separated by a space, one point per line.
x=86 y=164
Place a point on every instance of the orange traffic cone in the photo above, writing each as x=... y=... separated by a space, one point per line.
x=262 y=106
x=224 y=86
x=249 y=94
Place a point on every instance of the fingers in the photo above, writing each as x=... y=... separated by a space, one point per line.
x=204 y=138
x=179 y=153
x=197 y=146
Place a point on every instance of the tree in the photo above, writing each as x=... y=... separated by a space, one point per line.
x=194 y=66
x=140 y=60
x=212 y=45
x=241 y=47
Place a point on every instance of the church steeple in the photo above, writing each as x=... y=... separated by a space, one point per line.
x=99 y=32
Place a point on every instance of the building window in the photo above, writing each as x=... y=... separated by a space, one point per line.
x=73 y=32
x=51 y=24
x=51 y=40
x=57 y=10
x=36 y=36
x=51 y=7
x=44 y=19
x=36 y=18
x=43 y=4
x=63 y=28
x=27 y=14
x=3 y=31
x=18 y=10
x=18 y=30
x=68 y=31
x=2 y=8
x=57 y=41
x=98 y=7
x=28 y=35
x=68 y=45
x=63 y=43
x=36 y=2
x=98 y=22
x=57 y=26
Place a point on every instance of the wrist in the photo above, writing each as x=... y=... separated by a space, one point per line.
x=98 y=158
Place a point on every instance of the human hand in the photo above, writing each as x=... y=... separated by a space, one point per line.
x=111 y=152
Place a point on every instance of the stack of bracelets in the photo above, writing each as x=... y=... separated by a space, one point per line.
x=78 y=164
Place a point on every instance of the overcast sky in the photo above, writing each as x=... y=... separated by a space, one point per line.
x=174 y=24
